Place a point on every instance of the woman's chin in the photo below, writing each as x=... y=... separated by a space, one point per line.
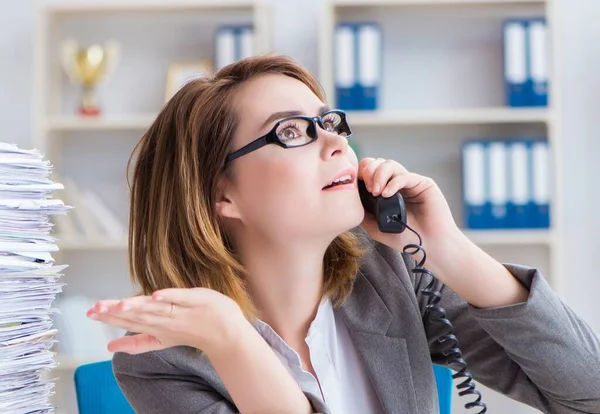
x=344 y=222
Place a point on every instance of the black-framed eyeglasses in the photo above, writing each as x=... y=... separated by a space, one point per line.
x=297 y=131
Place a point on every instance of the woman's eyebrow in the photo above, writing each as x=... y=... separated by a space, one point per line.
x=279 y=115
x=284 y=114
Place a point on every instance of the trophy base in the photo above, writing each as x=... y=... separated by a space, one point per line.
x=89 y=111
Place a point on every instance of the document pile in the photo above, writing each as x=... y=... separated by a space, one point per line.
x=28 y=280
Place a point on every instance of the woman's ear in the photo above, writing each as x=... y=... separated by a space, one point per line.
x=225 y=205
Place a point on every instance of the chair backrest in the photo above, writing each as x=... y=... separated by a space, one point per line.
x=97 y=390
x=443 y=378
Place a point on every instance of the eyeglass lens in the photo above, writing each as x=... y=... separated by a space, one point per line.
x=298 y=131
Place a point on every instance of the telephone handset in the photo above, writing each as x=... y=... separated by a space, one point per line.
x=390 y=214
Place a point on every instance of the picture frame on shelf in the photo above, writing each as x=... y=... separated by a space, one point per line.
x=180 y=73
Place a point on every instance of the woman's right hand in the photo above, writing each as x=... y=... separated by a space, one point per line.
x=197 y=317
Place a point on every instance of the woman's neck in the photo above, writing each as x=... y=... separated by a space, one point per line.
x=286 y=284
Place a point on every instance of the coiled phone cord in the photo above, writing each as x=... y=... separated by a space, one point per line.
x=435 y=314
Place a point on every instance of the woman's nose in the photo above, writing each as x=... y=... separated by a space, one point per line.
x=333 y=144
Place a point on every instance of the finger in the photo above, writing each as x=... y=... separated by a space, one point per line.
x=411 y=185
x=367 y=171
x=105 y=305
x=135 y=344
x=182 y=296
x=143 y=304
x=383 y=174
x=126 y=324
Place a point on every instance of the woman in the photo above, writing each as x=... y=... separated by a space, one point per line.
x=258 y=252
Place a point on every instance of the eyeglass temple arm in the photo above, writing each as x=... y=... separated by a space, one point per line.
x=254 y=145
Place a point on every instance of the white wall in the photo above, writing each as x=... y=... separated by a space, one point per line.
x=579 y=36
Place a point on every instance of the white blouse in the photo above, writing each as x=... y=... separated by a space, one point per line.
x=345 y=385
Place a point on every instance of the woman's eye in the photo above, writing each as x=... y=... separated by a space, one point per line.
x=290 y=132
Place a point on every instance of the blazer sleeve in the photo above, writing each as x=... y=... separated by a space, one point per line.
x=539 y=352
x=154 y=386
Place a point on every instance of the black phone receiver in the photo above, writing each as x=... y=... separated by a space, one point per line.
x=390 y=212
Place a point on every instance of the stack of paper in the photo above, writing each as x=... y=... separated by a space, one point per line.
x=29 y=280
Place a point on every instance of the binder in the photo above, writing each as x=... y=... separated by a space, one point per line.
x=520 y=195
x=540 y=166
x=232 y=43
x=345 y=66
x=538 y=63
x=515 y=63
x=369 y=38
x=245 y=42
x=474 y=184
x=498 y=184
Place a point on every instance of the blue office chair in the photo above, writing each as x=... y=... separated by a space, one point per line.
x=98 y=392
x=443 y=378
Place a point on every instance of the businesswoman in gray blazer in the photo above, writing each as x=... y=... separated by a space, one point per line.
x=267 y=289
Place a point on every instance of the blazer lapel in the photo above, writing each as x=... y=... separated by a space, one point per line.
x=386 y=358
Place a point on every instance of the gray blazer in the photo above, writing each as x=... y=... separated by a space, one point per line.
x=540 y=352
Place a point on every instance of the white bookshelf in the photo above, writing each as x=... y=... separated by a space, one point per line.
x=116 y=122
x=442 y=84
x=93 y=151
x=460 y=116
x=383 y=3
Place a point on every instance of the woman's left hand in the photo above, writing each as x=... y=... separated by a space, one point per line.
x=197 y=317
x=428 y=212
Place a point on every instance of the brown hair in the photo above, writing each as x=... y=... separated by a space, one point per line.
x=175 y=236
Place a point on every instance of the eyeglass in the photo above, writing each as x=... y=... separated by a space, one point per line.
x=297 y=131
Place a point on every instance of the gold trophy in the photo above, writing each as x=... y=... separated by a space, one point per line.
x=87 y=67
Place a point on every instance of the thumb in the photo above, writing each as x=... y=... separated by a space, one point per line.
x=136 y=344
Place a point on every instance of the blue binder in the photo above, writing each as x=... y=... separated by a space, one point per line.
x=497 y=183
x=232 y=43
x=516 y=63
x=538 y=63
x=520 y=193
x=540 y=166
x=475 y=192
x=369 y=62
x=345 y=68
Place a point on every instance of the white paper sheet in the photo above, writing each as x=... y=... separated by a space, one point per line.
x=29 y=280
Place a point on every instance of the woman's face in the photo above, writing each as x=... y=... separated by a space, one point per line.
x=281 y=193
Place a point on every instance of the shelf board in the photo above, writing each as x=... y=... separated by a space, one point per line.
x=67 y=242
x=510 y=237
x=374 y=3
x=135 y=122
x=149 y=6
x=466 y=116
